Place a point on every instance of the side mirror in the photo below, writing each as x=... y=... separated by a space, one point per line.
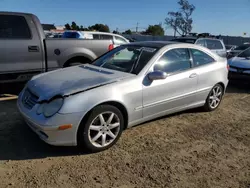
x=157 y=75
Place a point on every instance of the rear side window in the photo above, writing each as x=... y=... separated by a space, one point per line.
x=214 y=45
x=200 y=58
x=120 y=40
x=173 y=61
x=71 y=35
x=201 y=42
x=14 y=27
x=106 y=37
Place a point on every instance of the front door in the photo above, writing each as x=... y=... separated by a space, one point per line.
x=20 y=51
x=177 y=90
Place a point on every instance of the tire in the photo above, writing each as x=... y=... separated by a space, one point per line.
x=94 y=133
x=214 y=98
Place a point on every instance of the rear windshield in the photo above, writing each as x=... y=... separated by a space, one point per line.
x=245 y=54
x=72 y=35
x=191 y=41
x=130 y=59
x=214 y=44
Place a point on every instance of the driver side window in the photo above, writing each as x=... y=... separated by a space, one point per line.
x=173 y=61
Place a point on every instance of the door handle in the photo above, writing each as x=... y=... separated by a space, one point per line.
x=193 y=75
x=33 y=48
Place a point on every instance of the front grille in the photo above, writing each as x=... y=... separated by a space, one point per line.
x=29 y=99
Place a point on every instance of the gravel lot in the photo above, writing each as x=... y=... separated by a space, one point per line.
x=190 y=149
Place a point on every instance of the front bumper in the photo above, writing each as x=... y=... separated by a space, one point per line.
x=47 y=128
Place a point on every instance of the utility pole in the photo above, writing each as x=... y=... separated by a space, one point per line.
x=137 y=27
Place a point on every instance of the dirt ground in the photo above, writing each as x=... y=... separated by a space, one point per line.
x=189 y=149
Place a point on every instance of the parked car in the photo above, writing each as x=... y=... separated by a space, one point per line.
x=118 y=39
x=240 y=66
x=238 y=50
x=90 y=105
x=25 y=51
x=215 y=45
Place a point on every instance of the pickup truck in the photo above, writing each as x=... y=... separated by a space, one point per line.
x=25 y=51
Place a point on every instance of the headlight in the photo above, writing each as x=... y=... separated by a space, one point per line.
x=40 y=109
x=49 y=109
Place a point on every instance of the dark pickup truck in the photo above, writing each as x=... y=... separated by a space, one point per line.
x=25 y=51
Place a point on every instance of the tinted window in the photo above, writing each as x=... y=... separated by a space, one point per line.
x=106 y=37
x=214 y=44
x=14 y=27
x=174 y=61
x=131 y=59
x=201 y=58
x=242 y=47
x=95 y=36
x=72 y=35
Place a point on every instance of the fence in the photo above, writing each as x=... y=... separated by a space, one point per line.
x=228 y=40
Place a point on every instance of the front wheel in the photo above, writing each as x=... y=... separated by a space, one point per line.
x=102 y=128
x=214 y=98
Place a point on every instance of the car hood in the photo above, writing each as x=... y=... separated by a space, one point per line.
x=239 y=62
x=68 y=81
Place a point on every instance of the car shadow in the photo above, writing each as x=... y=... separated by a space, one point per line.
x=18 y=142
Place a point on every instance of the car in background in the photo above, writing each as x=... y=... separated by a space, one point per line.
x=238 y=50
x=240 y=66
x=215 y=45
x=91 y=105
x=118 y=39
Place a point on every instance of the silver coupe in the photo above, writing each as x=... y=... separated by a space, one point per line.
x=91 y=104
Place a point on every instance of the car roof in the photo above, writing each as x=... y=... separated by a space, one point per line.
x=152 y=44
x=196 y=38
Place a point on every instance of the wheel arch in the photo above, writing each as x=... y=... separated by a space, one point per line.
x=116 y=104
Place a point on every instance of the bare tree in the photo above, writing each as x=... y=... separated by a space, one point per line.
x=181 y=20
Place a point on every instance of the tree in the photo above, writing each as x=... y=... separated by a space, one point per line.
x=155 y=30
x=115 y=32
x=67 y=26
x=181 y=20
x=100 y=27
x=128 y=32
x=74 y=26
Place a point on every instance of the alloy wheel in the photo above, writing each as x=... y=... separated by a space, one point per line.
x=104 y=129
x=215 y=97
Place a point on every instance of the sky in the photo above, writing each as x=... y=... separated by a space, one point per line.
x=225 y=17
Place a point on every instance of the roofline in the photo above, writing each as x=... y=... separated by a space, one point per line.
x=16 y=13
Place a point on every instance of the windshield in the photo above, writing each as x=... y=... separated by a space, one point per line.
x=242 y=47
x=245 y=53
x=130 y=59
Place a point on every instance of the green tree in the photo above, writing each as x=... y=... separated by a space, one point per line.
x=155 y=30
x=74 y=26
x=67 y=26
x=181 y=20
x=100 y=27
x=128 y=32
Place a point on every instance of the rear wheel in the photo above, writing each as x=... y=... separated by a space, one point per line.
x=214 y=98
x=102 y=128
